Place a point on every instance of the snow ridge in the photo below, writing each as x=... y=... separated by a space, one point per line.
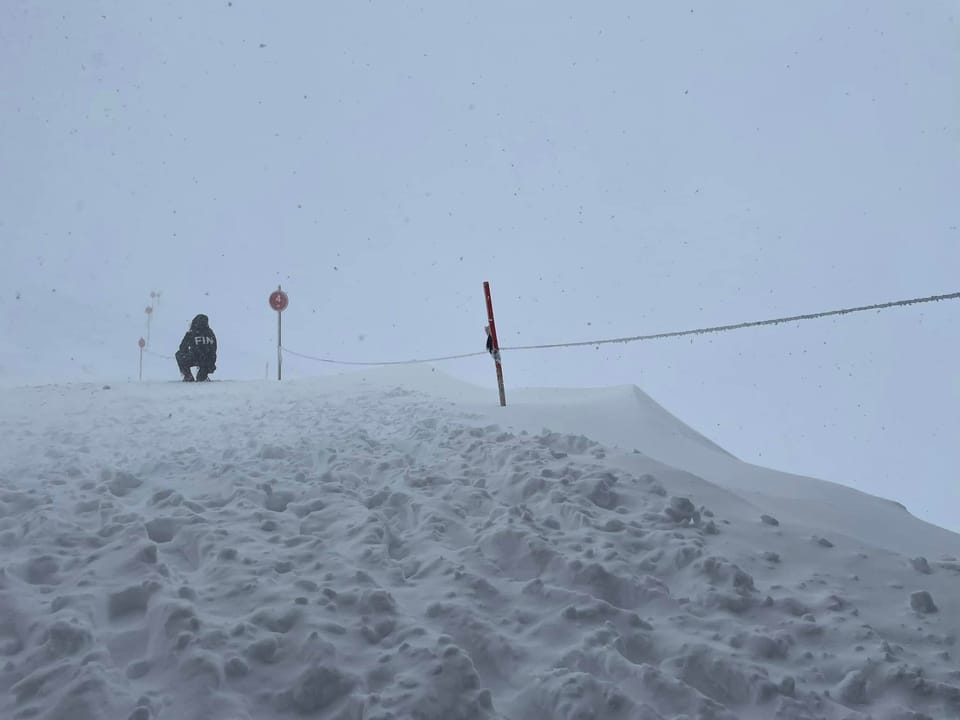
x=373 y=551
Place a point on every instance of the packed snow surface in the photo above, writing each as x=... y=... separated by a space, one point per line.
x=393 y=544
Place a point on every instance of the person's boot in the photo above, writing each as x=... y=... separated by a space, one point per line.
x=187 y=376
x=202 y=376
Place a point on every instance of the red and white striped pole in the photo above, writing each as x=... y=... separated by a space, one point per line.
x=492 y=327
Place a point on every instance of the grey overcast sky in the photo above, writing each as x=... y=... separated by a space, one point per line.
x=611 y=168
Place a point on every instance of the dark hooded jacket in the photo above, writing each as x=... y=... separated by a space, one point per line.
x=199 y=345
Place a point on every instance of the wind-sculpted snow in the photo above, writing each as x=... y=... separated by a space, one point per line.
x=369 y=553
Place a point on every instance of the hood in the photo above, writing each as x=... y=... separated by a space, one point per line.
x=200 y=322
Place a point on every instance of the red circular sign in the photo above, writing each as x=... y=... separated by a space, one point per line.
x=141 y=342
x=148 y=310
x=279 y=300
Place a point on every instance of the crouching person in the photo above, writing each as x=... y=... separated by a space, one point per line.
x=198 y=349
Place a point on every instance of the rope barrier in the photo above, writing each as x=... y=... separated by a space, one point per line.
x=386 y=362
x=740 y=326
x=156 y=354
x=655 y=336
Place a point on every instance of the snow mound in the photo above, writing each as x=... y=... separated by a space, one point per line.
x=384 y=546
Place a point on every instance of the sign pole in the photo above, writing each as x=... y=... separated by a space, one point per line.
x=149 y=312
x=496 y=345
x=141 y=342
x=279 y=301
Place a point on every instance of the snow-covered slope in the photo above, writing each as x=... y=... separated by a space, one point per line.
x=392 y=545
x=629 y=419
